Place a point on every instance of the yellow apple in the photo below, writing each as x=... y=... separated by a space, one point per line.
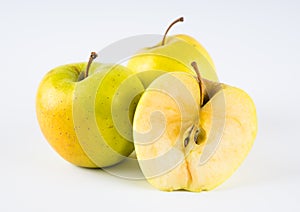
x=183 y=144
x=173 y=53
x=85 y=116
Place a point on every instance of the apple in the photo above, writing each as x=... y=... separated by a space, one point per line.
x=191 y=133
x=84 y=116
x=173 y=53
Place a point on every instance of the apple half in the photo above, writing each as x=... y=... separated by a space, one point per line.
x=184 y=144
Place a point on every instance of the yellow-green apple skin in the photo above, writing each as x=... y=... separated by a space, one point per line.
x=60 y=93
x=54 y=102
x=177 y=54
x=192 y=41
x=103 y=111
x=224 y=129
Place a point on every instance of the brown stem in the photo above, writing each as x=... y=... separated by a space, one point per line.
x=174 y=22
x=195 y=66
x=92 y=57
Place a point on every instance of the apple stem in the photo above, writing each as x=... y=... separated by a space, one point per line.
x=199 y=78
x=92 y=57
x=181 y=19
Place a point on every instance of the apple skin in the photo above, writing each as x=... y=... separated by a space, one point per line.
x=192 y=41
x=103 y=109
x=79 y=118
x=54 y=102
x=177 y=54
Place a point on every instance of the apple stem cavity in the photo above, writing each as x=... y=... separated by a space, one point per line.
x=92 y=57
x=199 y=78
x=181 y=19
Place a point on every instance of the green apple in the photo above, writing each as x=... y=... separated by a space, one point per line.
x=83 y=114
x=173 y=53
x=197 y=146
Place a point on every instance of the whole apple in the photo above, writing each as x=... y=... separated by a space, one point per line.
x=76 y=111
x=173 y=53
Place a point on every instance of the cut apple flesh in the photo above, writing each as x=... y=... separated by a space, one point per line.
x=180 y=146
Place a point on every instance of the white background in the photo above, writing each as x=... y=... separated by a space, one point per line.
x=255 y=45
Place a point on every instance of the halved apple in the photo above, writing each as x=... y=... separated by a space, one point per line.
x=181 y=145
